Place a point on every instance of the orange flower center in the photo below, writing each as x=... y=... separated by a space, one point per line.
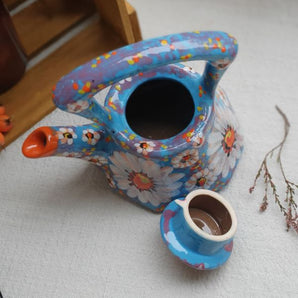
x=228 y=142
x=201 y=181
x=144 y=146
x=141 y=181
x=89 y=135
x=185 y=158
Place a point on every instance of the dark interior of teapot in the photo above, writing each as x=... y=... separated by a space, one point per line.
x=159 y=109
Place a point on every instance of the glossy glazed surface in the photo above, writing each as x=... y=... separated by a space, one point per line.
x=151 y=171
x=197 y=250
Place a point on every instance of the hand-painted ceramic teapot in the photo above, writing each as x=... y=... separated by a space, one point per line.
x=163 y=130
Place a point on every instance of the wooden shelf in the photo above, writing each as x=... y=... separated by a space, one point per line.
x=30 y=99
x=51 y=20
x=11 y=4
x=122 y=17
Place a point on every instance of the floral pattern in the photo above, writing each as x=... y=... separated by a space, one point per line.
x=110 y=179
x=97 y=159
x=66 y=135
x=186 y=244
x=144 y=147
x=90 y=136
x=132 y=167
x=129 y=79
x=144 y=179
x=221 y=63
x=198 y=140
x=185 y=158
x=72 y=154
x=154 y=172
x=201 y=179
x=189 y=69
x=225 y=143
x=78 y=106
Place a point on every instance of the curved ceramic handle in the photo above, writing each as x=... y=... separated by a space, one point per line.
x=217 y=47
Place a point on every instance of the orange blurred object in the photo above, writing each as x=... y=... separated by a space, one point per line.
x=2 y=140
x=2 y=109
x=5 y=125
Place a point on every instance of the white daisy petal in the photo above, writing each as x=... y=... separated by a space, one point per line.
x=224 y=141
x=144 y=179
x=226 y=168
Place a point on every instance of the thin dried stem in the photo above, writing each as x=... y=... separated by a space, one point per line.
x=288 y=207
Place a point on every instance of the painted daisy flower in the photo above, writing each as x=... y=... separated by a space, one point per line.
x=143 y=179
x=72 y=154
x=129 y=79
x=78 y=106
x=97 y=159
x=188 y=135
x=202 y=179
x=224 y=142
x=185 y=158
x=66 y=135
x=90 y=136
x=144 y=147
x=189 y=69
x=221 y=97
x=110 y=179
x=198 y=140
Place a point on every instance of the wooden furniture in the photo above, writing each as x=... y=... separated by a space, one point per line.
x=46 y=21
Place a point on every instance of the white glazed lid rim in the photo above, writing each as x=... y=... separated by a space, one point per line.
x=217 y=238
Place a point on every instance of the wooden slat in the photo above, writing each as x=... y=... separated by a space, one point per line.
x=30 y=100
x=115 y=14
x=45 y=20
x=11 y=4
x=133 y=17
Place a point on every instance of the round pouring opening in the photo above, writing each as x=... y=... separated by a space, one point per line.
x=159 y=109
x=41 y=142
x=210 y=215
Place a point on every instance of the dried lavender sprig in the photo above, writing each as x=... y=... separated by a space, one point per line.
x=269 y=153
x=291 y=219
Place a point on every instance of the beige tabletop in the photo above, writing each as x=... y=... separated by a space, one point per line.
x=64 y=233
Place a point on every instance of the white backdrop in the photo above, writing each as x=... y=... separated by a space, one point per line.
x=64 y=233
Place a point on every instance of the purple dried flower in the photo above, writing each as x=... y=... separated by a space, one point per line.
x=291 y=205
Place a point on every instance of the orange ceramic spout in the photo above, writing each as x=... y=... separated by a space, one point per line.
x=68 y=141
x=40 y=143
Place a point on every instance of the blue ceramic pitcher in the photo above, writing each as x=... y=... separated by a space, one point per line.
x=164 y=129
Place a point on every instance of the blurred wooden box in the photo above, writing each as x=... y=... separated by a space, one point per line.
x=42 y=24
